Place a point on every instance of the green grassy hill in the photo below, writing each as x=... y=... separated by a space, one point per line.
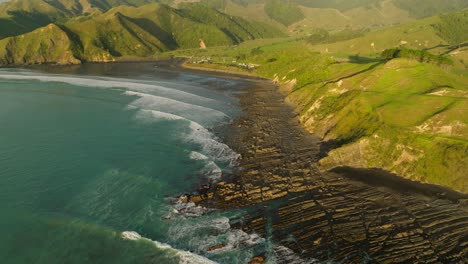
x=302 y=16
x=127 y=32
x=444 y=34
x=21 y=16
x=418 y=34
x=402 y=115
x=299 y=17
x=49 y=44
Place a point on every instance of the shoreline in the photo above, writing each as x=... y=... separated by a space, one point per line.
x=347 y=214
x=322 y=215
x=181 y=63
x=394 y=180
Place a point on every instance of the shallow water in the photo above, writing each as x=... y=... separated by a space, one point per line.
x=89 y=152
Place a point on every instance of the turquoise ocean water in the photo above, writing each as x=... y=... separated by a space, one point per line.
x=91 y=152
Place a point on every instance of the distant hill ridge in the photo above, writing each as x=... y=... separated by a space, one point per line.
x=109 y=30
x=128 y=32
x=22 y=16
x=336 y=14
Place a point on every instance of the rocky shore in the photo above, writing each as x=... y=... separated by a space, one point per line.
x=345 y=215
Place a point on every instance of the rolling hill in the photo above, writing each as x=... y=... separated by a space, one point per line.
x=132 y=32
x=22 y=16
x=302 y=16
x=444 y=34
x=295 y=16
x=405 y=114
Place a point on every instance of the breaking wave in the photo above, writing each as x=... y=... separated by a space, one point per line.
x=210 y=147
x=185 y=257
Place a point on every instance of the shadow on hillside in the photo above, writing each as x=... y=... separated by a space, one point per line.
x=379 y=177
x=326 y=147
x=455 y=47
x=373 y=66
x=362 y=60
x=156 y=31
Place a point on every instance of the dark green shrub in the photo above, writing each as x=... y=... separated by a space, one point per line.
x=419 y=55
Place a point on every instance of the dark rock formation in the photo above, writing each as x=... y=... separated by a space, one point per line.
x=329 y=216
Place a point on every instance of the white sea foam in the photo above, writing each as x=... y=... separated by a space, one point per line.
x=197 y=156
x=186 y=110
x=198 y=134
x=184 y=86
x=187 y=209
x=166 y=105
x=216 y=232
x=184 y=256
x=133 y=85
x=211 y=170
x=154 y=97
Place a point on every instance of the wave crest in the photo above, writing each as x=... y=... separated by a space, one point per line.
x=185 y=257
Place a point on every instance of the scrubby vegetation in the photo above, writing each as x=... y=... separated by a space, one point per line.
x=322 y=36
x=146 y=31
x=238 y=28
x=419 y=55
x=47 y=45
x=425 y=8
x=284 y=12
x=453 y=28
x=342 y=5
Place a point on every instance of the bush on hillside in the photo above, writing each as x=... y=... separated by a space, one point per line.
x=419 y=55
x=256 y=51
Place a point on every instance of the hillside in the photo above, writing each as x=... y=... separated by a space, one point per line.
x=302 y=16
x=295 y=16
x=22 y=16
x=445 y=34
x=49 y=44
x=403 y=115
x=127 y=32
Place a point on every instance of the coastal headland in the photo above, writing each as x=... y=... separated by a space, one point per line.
x=346 y=215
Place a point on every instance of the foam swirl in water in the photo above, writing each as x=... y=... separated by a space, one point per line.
x=185 y=257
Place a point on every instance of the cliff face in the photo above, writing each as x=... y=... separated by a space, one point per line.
x=49 y=44
x=403 y=116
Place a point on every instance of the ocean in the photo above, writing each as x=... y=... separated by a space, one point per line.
x=93 y=157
